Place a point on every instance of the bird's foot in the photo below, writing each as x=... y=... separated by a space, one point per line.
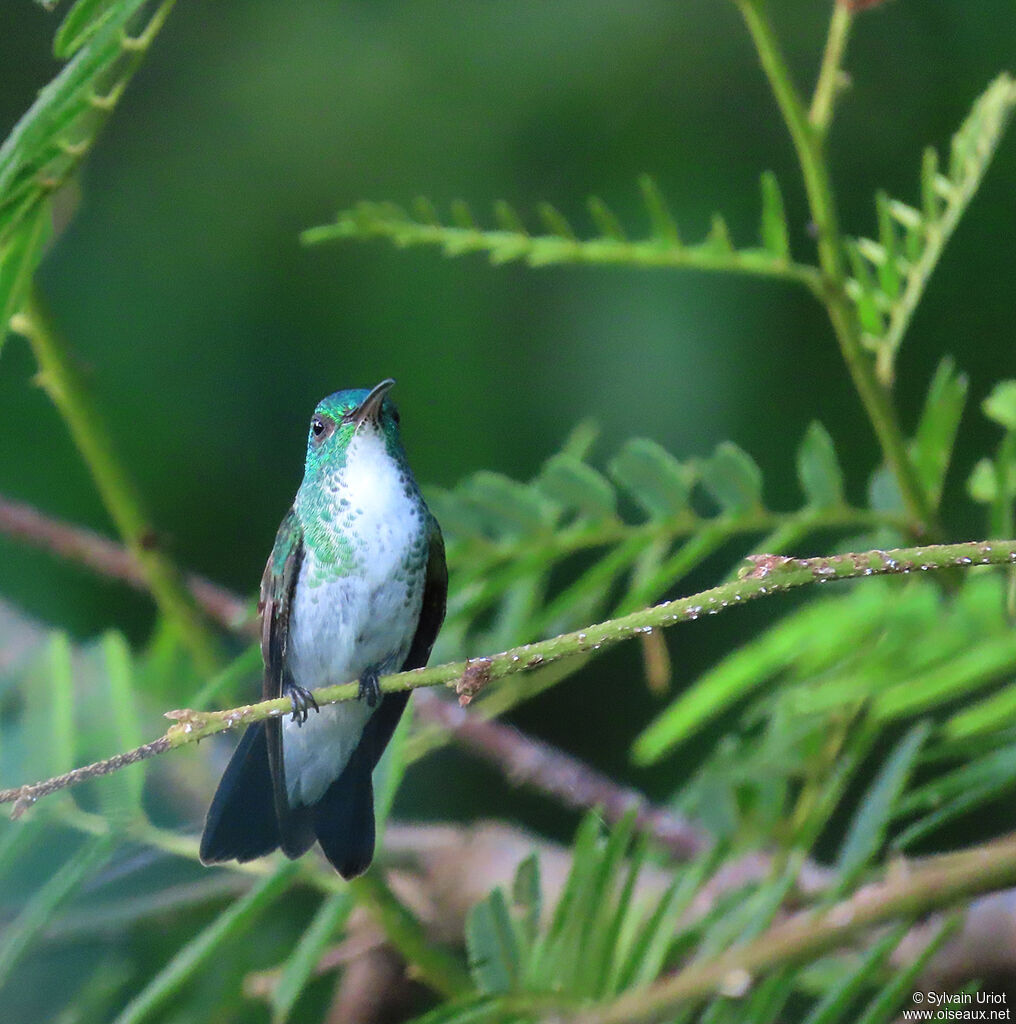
x=302 y=699
x=370 y=689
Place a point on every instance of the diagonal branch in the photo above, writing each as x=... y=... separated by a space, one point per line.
x=86 y=547
x=530 y=762
x=768 y=574
x=68 y=391
x=937 y=883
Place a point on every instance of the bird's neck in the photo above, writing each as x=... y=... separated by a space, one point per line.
x=344 y=506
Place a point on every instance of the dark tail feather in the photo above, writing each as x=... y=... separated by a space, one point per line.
x=344 y=818
x=241 y=822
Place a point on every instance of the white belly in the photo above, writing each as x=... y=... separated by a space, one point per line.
x=341 y=628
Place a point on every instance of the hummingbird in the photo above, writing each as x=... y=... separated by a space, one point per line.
x=354 y=589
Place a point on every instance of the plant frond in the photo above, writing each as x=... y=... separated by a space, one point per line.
x=49 y=143
x=872 y=660
x=559 y=243
x=533 y=559
x=891 y=273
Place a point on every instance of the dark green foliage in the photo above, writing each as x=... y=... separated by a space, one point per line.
x=858 y=724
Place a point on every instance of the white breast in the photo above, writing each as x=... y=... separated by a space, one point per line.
x=365 y=620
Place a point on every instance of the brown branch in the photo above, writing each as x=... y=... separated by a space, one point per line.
x=525 y=761
x=24 y=796
x=902 y=892
x=107 y=558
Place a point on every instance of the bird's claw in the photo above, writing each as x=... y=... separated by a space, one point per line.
x=303 y=700
x=369 y=689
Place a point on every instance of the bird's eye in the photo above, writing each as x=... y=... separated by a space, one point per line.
x=320 y=427
x=396 y=416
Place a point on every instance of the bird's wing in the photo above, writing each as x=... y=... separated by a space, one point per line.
x=435 y=593
x=276 y=604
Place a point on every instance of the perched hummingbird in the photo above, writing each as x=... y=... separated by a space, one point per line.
x=354 y=588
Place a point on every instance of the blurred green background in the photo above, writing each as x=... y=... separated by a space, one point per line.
x=209 y=333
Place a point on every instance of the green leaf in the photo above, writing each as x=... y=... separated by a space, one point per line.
x=578 y=487
x=120 y=793
x=743 y=671
x=870 y=823
x=19 y=256
x=652 y=477
x=961 y=805
x=36 y=914
x=559 y=244
x=775 y=236
x=492 y=946
x=605 y=220
x=478 y=1009
x=818 y=469
x=885 y=302
x=80 y=23
x=507 y=506
x=648 y=953
x=977 y=773
x=527 y=896
x=887 y=1003
x=190 y=958
x=959 y=675
x=661 y=220
x=61 y=704
x=601 y=922
x=938 y=426
x=984 y=716
x=47 y=143
x=299 y=968
x=982 y=485
x=1000 y=405
x=838 y=999
x=569 y=903
x=733 y=479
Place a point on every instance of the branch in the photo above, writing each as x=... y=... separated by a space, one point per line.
x=769 y=574
x=807 y=139
x=830 y=77
x=936 y=883
x=65 y=386
x=523 y=761
x=78 y=544
x=529 y=762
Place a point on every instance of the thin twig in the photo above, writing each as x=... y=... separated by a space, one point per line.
x=91 y=549
x=808 y=145
x=67 y=389
x=523 y=760
x=931 y=885
x=529 y=762
x=24 y=796
x=830 y=76
x=769 y=574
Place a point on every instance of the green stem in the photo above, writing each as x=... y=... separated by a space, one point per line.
x=808 y=145
x=829 y=77
x=769 y=574
x=65 y=386
x=440 y=969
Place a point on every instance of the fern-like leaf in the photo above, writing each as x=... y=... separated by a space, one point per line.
x=890 y=274
x=533 y=559
x=46 y=147
x=559 y=242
